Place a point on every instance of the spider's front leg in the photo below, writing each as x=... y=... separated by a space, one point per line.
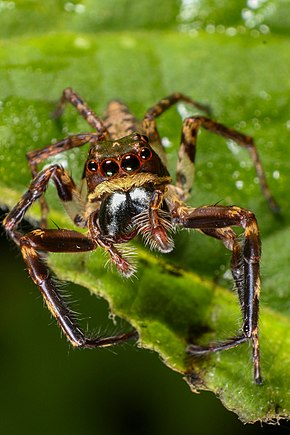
x=44 y=240
x=35 y=157
x=245 y=266
x=61 y=241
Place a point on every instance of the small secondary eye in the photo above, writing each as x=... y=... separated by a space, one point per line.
x=109 y=168
x=130 y=163
x=144 y=138
x=145 y=153
x=92 y=166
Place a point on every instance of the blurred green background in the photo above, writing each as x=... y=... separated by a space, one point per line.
x=140 y=52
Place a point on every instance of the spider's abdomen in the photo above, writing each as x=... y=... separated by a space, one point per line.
x=119 y=208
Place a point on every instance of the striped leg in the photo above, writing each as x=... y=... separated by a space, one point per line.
x=61 y=241
x=245 y=267
x=35 y=157
x=70 y=96
x=186 y=157
x=149 y=121
x=231 y=241
x=54 y=241
x=66 y=189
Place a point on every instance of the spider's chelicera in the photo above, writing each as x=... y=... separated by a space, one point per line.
x=130 y=192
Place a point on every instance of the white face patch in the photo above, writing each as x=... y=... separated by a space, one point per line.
x=117 y=199
x=119 y=209
x=139 y=194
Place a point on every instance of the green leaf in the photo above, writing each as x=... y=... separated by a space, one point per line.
x=243 y=73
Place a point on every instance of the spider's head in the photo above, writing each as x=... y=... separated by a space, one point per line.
x=122 y=162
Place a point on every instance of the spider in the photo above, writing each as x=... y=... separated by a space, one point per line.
x=129 y=191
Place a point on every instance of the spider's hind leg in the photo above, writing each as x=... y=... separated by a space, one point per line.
x=149 y=122
x=70 y=96
x=215 y=221
x=187 y=151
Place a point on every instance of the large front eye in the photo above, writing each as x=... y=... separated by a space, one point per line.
x=109 y=168
x=130 y=163
x=92 y=166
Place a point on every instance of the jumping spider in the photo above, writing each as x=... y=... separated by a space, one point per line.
x=129 y=192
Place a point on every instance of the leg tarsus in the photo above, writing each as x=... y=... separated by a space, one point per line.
x=193 y=349
x=109 y=341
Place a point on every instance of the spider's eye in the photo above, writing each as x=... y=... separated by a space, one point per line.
x=130 y=163
x=92 y=166
x=144 y=138
x=145 y=153
x=109 y=168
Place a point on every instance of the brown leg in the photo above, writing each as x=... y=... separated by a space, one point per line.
x=149 y=121
x=35 y=157
x=185 y=165
x=61 y=241
x=70 y=96
x=245 y=265
x=66 y=191
x=172 y=99
x=231 y=242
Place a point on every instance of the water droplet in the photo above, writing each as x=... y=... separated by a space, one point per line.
x=239 y=184
x=210 y=28
x=264 y=29
x=166 y=142
x=231 y=31
x=233 y=147
x=265 y=96
x=82 y=43
x=77 y=8
x=220 y=28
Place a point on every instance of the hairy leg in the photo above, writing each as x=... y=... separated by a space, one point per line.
x=208 y=219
